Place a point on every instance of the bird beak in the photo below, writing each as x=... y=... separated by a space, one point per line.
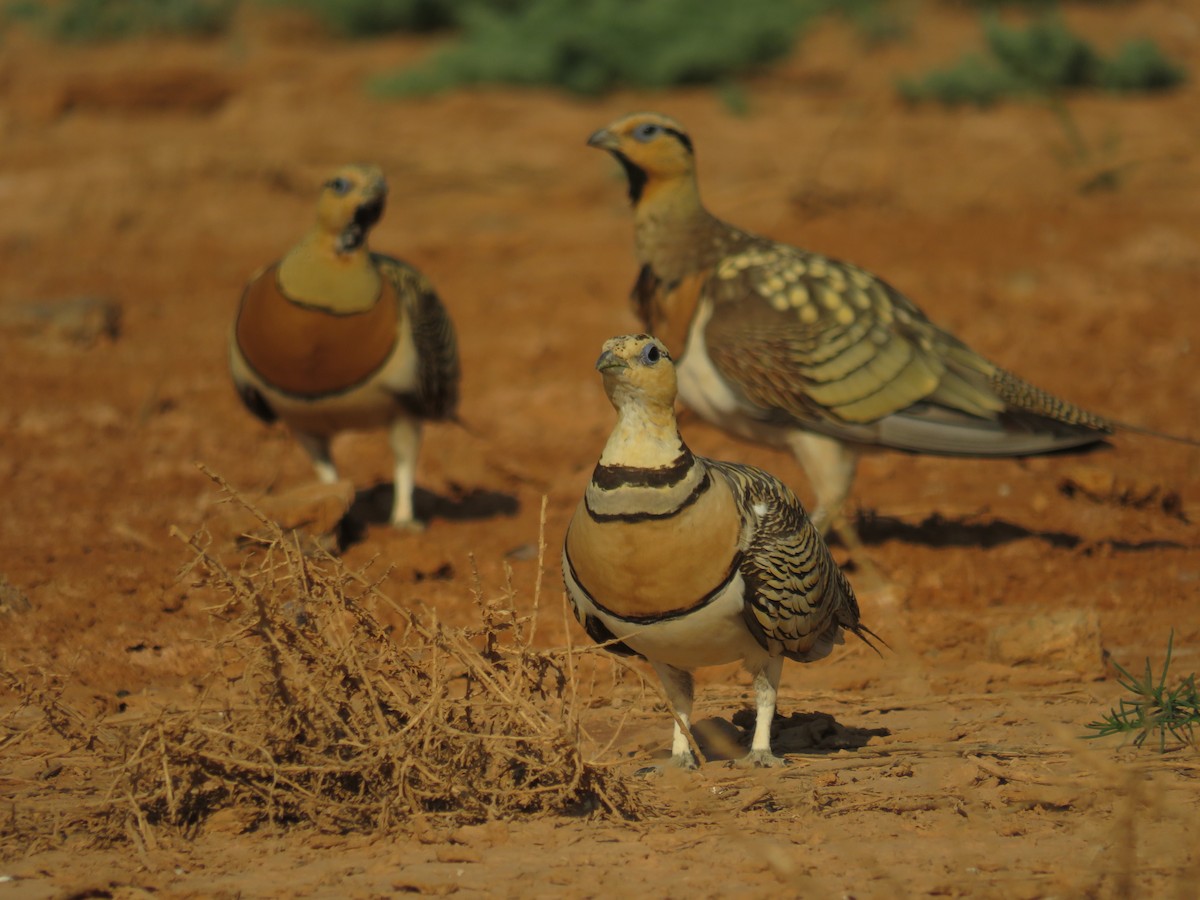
x=609 y=360
x=604 y=139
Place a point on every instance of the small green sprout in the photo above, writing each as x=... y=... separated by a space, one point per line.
x=1154 y=707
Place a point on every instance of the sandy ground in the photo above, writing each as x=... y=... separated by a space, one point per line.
x=951 y=766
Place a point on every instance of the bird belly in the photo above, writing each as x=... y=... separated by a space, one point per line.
x=709 y=636
x=671 y=589
x=373 y=404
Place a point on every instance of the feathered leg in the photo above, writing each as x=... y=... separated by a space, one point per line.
x=406 y=443
x=830 y=465
x=766 y=693
x=680 y=689
x=317 y=448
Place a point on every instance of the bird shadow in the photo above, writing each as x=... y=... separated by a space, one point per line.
x=936 y=530
x=808 y=733
x=373 y=506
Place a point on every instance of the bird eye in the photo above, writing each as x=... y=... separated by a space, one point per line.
x=647 y=132
x=338 y=185
x=651 y=354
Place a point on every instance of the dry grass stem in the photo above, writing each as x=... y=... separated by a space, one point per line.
x=318 y=714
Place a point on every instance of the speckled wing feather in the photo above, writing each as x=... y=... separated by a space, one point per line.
x=438 y=373
x=664 y=296
x=797 y=599
x=830 y=347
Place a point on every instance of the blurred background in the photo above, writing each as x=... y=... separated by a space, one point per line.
x=1026 y=172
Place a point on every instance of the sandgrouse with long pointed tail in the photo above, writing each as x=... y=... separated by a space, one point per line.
x=690 y=562
x=334 y=337
x=787 y=347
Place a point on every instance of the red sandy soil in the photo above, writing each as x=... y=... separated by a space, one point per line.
x=958 y=768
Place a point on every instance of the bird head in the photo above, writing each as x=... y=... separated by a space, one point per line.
x=351 y=202
x=637 y=368
x=650 y=147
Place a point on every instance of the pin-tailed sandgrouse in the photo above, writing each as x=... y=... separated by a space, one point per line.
x=690 y=562
x=787 y=347
x=334 y=337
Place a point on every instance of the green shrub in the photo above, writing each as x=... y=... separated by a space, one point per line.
x=1027 y=4
x=1044 y=56
x=20 y=11
x=973 y=79
x=876 y=21
x=99 y=20
x=1153 y=709
x=1041 y=60
x=363 y=18
x=590 y=46
x=1139 y=66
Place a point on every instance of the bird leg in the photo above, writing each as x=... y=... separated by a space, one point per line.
x=406 y=442
x=829 y=465
x=317 y=448
x=766 y=692
x=680 y=688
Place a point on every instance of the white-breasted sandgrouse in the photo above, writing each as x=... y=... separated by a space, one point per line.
x=335 y=337
x=787 y=347
x=689 y=562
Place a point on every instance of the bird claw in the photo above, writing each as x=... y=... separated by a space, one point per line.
x=759 y=759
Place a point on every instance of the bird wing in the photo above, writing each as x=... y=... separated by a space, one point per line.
x=825 y=345
x=798 y=601
x=438 y=370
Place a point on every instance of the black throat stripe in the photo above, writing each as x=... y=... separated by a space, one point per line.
x=636 y=177
x=734 y=568
x=608 y=478
x=696 y=494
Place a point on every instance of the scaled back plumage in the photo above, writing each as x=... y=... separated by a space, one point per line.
x=788 y=347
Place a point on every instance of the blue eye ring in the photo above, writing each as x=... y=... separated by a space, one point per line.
x=652 y=353
x=340 y=186
x=647 y=132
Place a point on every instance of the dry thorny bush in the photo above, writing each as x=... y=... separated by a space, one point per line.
x=318 y=714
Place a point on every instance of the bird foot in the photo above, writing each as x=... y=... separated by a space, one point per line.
x=684 y=761
x=759 y=759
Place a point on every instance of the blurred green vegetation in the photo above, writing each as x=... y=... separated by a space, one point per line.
x=363 y=18
x=368 y=18
x=1033 y=4
x=584 y=46
x=1042 y=59
x=1139 y=66
x=590 y=46
x=101 y=20
x=876 y=21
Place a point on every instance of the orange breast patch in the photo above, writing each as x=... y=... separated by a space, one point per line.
x=307 y=351
x=656 y=567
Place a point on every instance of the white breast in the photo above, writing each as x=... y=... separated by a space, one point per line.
x=711 y=636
